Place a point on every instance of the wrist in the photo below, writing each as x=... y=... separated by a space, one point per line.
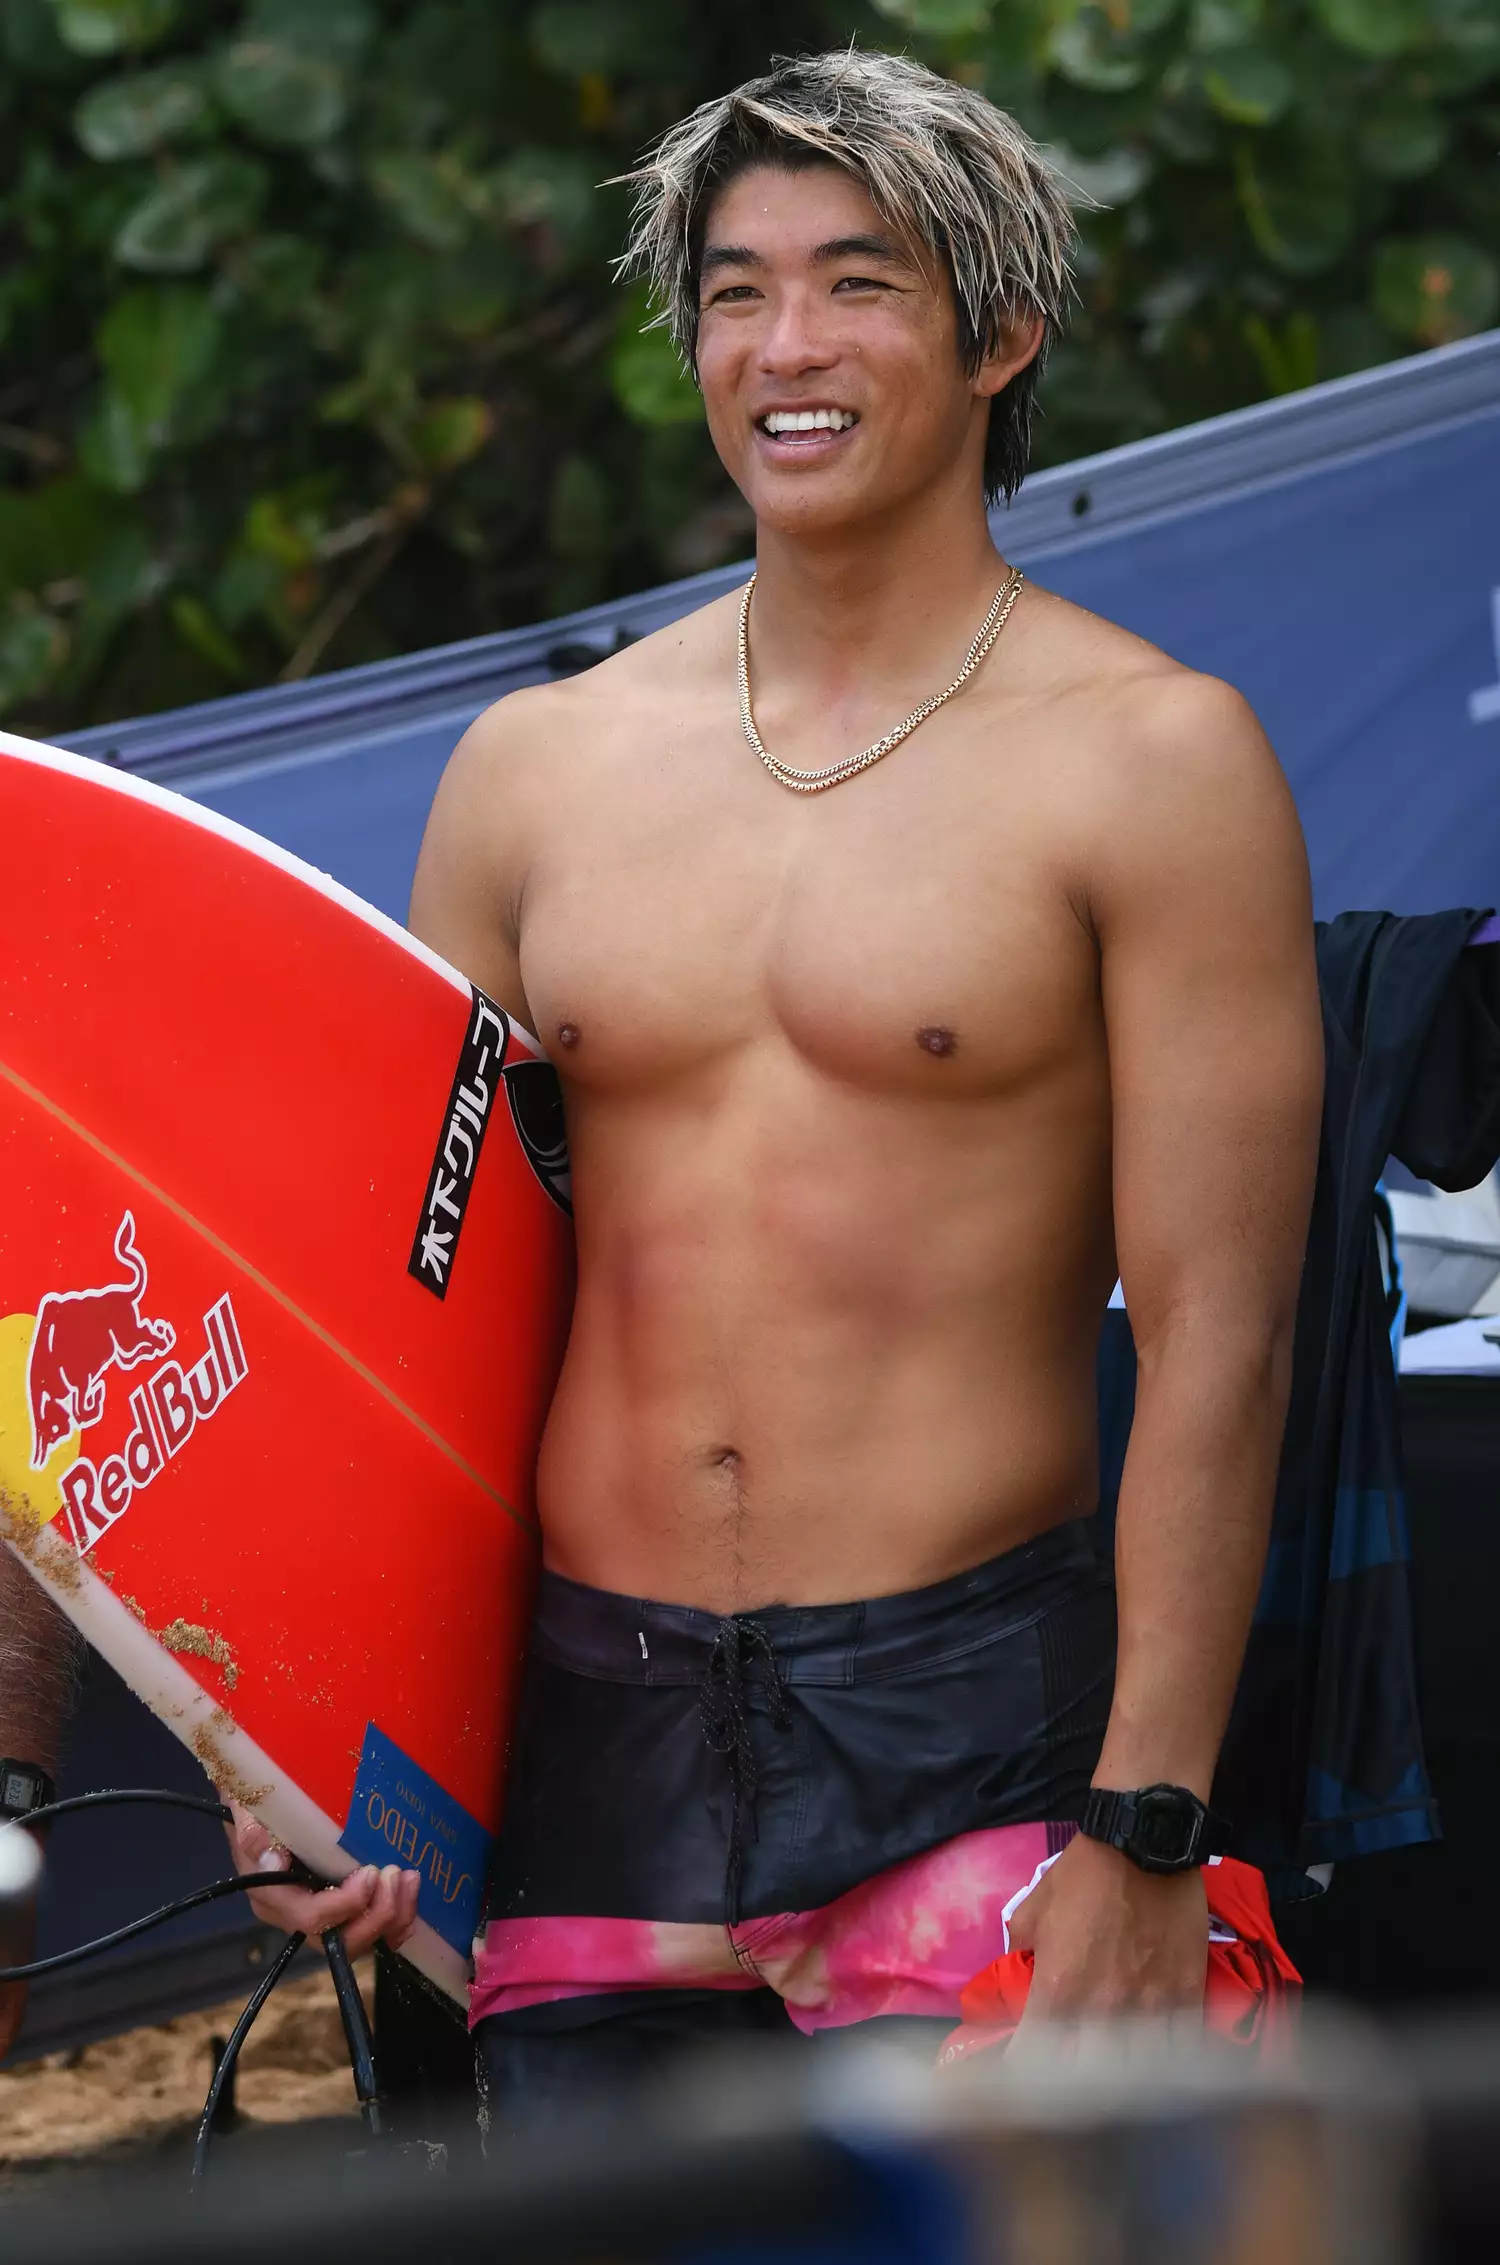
x=1125 y=1767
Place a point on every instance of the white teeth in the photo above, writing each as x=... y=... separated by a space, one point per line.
x=778 y=421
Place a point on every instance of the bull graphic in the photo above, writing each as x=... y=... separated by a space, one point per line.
x=80 y=1336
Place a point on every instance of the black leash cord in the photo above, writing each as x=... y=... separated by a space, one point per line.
x=356 y=2035
x=346 y=1988
x=356 y=2030
x=231 y=2053
x=122 y=1794
x=242 y=1884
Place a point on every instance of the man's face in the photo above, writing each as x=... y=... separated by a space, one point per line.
x=811 y=305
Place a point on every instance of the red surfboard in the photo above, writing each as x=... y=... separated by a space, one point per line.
x=285 y=1277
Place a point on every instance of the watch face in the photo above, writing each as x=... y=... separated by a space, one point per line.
x=17 y=1791
x=1166 y=1828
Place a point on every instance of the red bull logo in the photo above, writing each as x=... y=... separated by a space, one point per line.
x=81 y=1337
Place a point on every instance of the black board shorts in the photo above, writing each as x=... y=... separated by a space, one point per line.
x=805 y=1816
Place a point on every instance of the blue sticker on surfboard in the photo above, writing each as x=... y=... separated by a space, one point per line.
x=400 y=1815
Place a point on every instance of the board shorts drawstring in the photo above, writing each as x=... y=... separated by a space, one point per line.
x=726 y=1729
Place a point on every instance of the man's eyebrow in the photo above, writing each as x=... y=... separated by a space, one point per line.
x=728 y=255
x=871 y=247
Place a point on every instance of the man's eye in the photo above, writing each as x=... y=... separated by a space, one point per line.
x=732 y=291
x=859 y=283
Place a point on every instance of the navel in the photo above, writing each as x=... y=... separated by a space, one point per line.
x=568 y=1034
x=933 y=1038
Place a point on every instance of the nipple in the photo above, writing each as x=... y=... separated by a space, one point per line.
x=934 y=1039
x=567 y=1034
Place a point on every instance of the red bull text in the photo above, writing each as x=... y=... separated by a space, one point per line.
x=166 y=1410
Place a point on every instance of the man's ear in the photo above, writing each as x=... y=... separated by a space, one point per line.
x=1020 y=342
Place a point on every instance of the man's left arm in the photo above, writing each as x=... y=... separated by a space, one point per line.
x=1199 y=897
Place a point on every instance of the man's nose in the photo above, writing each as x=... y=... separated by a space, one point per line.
x=798 y=337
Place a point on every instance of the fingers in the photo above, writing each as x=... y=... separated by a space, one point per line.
x=1039 y=2041
x=1184 y=2024
x=311 y=1911
x=286 y=1907
x=248 y=1838
x=1047 y=2039
x=388 y=1916
x=371 y=1905
x=255 y=1851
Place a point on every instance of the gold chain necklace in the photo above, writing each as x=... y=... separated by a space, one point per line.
x=834 y=774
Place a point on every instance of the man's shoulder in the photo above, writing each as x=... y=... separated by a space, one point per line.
x=1082 y=656
x=1145 y=723
x=633 y=687
x=1158 y=776
x=1170 y=799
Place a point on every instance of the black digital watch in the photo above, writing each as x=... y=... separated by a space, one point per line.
x=1161 y=1828
x=23 y=1788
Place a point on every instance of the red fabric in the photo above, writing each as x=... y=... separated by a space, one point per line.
x=1252 y=1987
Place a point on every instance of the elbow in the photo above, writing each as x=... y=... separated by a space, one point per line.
x=1236 y=1348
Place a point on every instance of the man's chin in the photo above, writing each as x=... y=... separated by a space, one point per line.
x=809 y=508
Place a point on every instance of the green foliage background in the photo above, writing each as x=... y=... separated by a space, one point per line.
x=309 y=351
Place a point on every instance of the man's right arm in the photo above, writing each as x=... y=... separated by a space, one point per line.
x=40 y=1655
x=466 y=895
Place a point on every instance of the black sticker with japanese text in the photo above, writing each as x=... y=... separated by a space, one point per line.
x=475 y=1085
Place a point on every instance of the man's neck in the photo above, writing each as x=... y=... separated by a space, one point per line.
x=875 y=603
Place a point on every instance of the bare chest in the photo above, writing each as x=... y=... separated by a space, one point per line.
x=892 y=935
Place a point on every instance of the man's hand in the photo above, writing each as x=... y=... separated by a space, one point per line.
x=372 y=1906
x=1107 y=1938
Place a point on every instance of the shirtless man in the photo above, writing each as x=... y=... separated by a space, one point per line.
x=871 y=1091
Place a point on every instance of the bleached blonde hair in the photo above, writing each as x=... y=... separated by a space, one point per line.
x=940 y=164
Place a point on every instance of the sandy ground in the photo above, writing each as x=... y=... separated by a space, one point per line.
x=142 y=2093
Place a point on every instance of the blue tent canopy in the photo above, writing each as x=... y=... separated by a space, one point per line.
x=1335 y=554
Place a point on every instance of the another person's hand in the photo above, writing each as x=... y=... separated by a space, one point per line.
x=1107 y=1938
x=371 y=1905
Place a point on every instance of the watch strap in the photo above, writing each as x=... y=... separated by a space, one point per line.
x=24 y=1788
x=1108 y=1816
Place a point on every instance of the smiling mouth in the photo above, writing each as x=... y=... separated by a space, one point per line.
x=800 y=426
